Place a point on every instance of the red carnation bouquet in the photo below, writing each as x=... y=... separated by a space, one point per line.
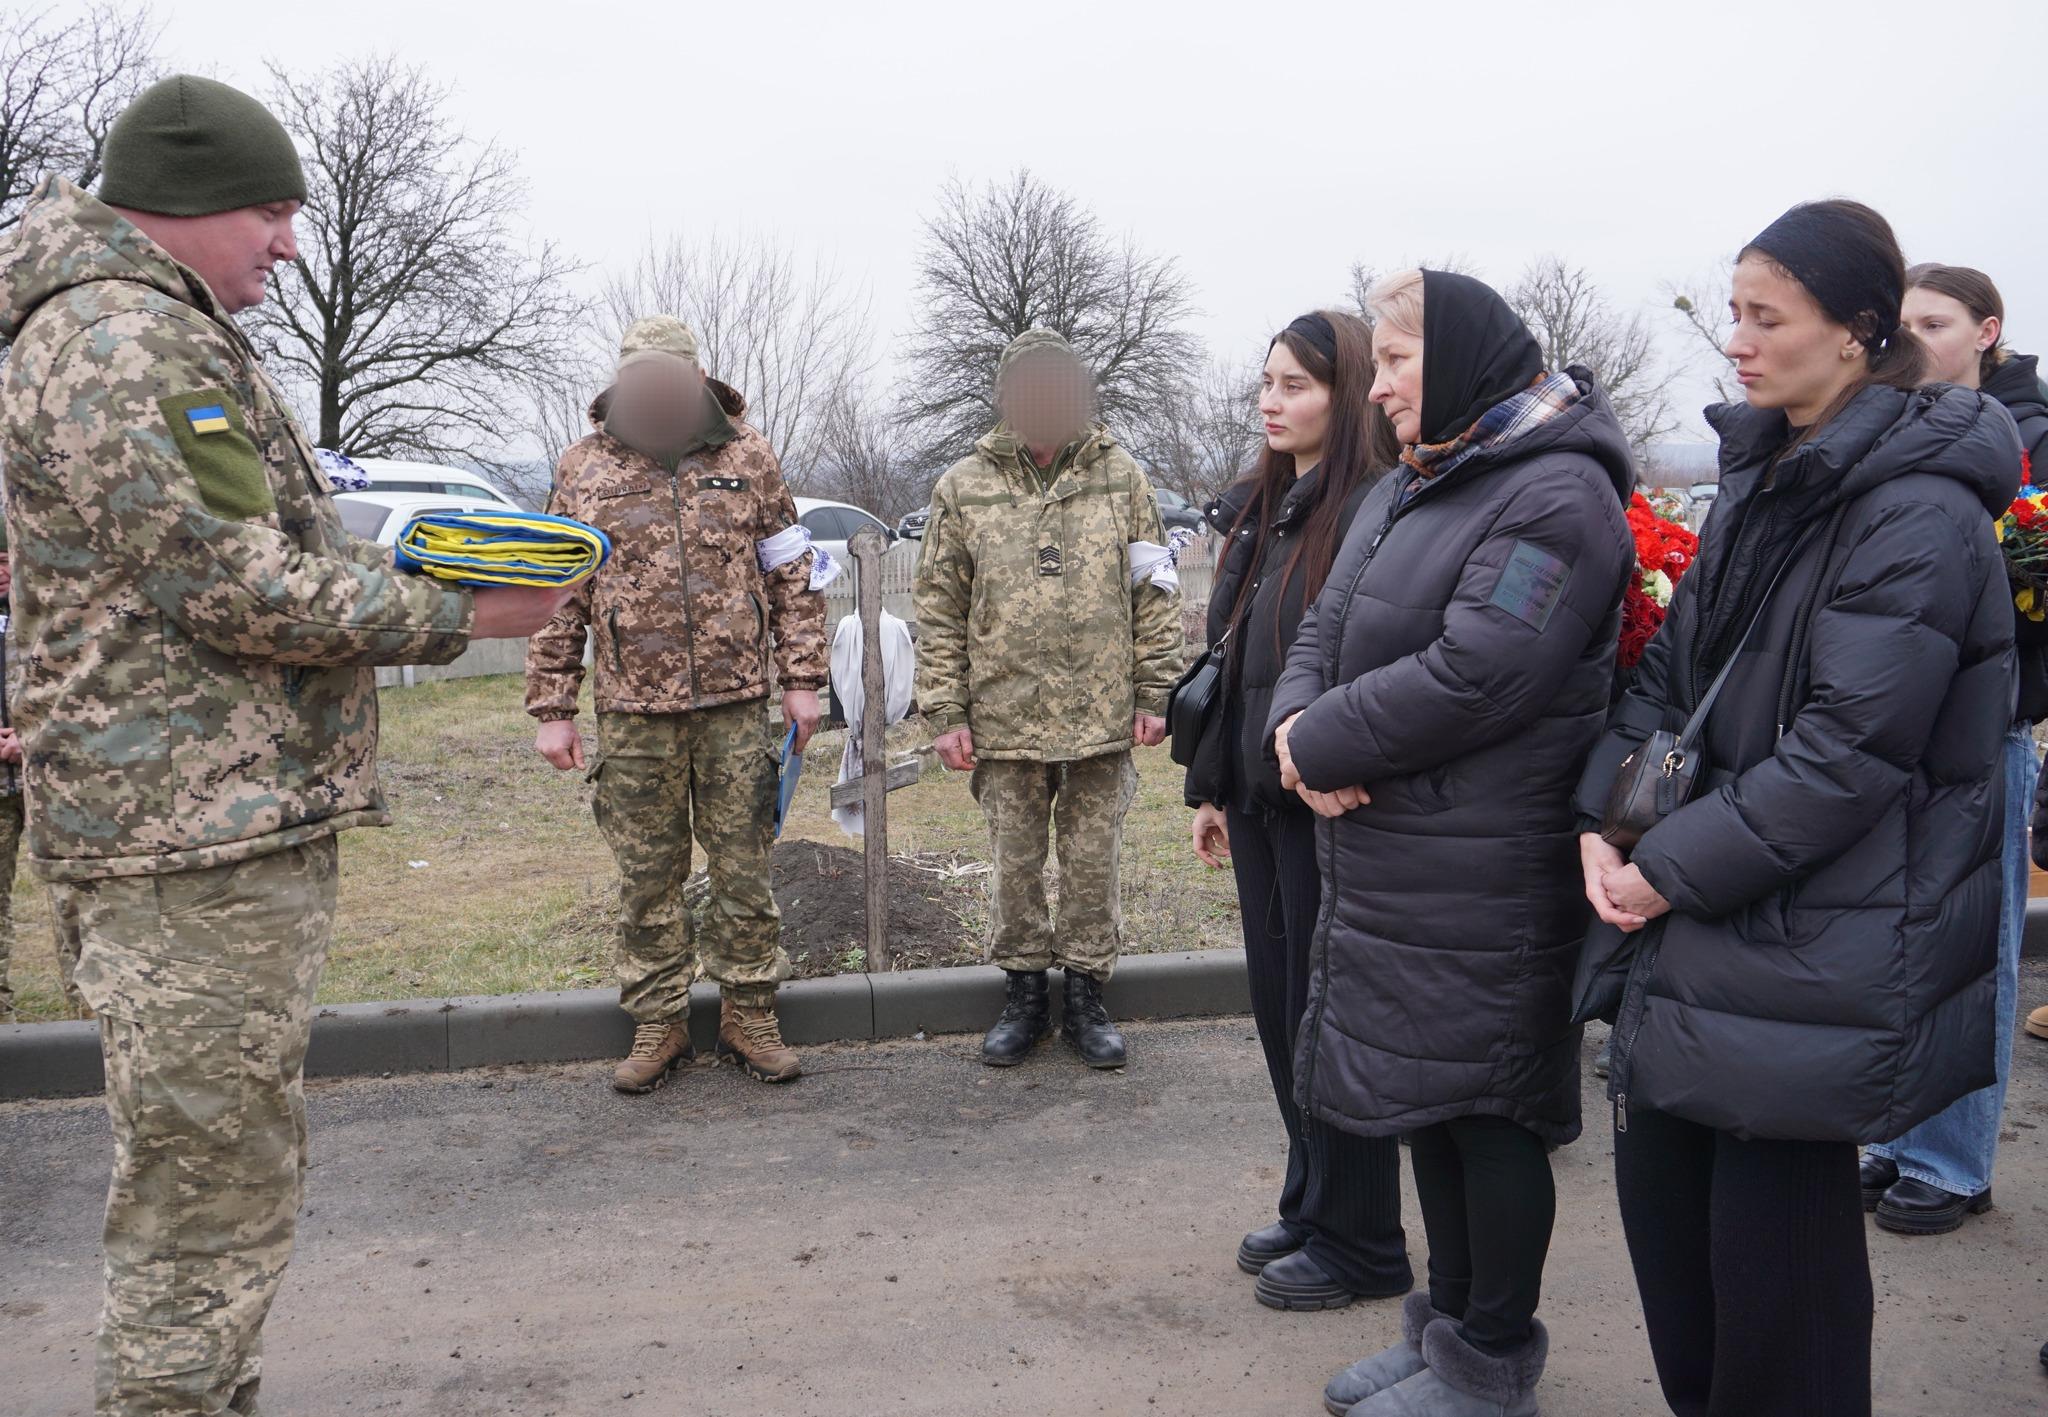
x=1664 y=548
x=2023 y=538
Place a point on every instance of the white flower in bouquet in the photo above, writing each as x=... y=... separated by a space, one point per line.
x=1657 y=585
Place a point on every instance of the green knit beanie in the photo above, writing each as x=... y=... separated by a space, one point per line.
x=190 y=146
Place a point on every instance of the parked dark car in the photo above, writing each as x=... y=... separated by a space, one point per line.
x=911 y=528
x=1177 y=511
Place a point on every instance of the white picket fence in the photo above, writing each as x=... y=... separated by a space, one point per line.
x=899 y=576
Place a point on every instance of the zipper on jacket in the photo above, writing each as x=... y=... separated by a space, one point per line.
x=675 y=487
x=1326 y=832
x=1628 y=1024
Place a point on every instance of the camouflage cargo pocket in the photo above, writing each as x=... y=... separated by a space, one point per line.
x=123 y=982
x=147 y=1351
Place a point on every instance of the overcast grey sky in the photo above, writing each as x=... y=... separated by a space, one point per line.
x=1266 y=146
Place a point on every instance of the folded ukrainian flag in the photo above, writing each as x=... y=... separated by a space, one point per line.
x=501 y=548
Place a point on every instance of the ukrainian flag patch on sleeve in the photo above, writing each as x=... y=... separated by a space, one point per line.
x=212 y=418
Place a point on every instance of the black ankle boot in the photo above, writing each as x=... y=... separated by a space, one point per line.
x=1087 y=1026
x=1026 y=1018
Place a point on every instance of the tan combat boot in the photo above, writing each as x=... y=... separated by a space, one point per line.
x=657 y=1048
x=752 y=1038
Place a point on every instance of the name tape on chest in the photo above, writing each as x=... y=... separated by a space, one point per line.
x=1531 y=584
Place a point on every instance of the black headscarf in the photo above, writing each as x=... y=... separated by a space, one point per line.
x=1845 y=266
x=1475 y=352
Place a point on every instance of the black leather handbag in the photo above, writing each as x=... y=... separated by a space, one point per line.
x=1194 y=703
x=1660 y=776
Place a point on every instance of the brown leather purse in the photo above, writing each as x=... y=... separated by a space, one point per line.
x=1659 y=777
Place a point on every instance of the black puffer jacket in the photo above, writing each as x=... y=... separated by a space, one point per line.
x=1457 y=665
x=1258 y=652
x=2016 y=384
x=1826 y=970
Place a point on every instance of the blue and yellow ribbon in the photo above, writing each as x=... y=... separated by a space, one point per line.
x=501 y=548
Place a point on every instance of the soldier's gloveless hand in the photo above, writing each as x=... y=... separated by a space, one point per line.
x=1148 y=730
x=800 y=711
x=560 y=744
x=955 y=749
x=514 y=612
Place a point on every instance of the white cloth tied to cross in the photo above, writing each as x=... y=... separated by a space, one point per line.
x=788 y=544
x=899 y=675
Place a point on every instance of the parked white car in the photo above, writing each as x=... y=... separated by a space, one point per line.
x=390 y=475
x=381 y=516
x=833 y=524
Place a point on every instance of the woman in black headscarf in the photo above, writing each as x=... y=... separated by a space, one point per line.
x=1436 y=711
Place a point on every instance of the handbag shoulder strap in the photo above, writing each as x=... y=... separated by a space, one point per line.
x=1689 y=735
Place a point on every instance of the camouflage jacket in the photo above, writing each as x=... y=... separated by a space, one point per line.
x=1029 y=629
x=192 y=624
x=682 y=612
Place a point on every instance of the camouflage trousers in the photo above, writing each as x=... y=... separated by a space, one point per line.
x=204 y=982
x=11 y=823
x=662 y=778
x=1084 y=803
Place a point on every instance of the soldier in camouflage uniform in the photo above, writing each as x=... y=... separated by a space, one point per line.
x=1040 y=663
x=193 y=634
x=685 y=623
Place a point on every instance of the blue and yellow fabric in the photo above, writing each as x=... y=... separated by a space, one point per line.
x=501 y=548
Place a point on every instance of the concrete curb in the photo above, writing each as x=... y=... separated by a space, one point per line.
x=437 y=1035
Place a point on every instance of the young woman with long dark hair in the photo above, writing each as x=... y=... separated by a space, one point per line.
x=1338 y=1236
x=1802 y=956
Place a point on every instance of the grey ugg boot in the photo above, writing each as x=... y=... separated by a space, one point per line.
x=1463 y=1381
x=1381 y=1371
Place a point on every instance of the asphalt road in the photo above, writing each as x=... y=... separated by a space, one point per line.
x=902 y=1232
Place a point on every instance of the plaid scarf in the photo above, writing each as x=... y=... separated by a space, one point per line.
x=1511 y=418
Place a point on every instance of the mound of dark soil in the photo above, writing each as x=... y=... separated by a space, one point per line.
x=932 y=902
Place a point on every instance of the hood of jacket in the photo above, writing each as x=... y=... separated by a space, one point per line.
x=68 y=238
x=1885 y=433
x=1589 y=426
x=729 y=401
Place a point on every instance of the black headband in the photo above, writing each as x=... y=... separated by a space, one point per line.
x=1843 y=266
x=1321 y=338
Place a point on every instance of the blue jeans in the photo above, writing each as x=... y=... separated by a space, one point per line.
x=1954 y=1148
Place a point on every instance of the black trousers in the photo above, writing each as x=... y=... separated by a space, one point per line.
x=1488 y=1204
x=1751 y=1261
x=1342 y=1193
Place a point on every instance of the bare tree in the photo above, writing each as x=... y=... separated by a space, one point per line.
x=1572 y=319
x=1013 y=256
x=1211 y=434
x=861 y=460
x=792 y=338
x=62 y=84
x=414 y=319
x=1702 y=304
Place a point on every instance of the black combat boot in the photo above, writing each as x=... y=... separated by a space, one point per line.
x=1087 y=1024
x=1026 y=1018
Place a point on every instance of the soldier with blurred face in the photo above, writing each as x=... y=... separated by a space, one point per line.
x=1048 y=645
x=194 y=631
x=711 y=581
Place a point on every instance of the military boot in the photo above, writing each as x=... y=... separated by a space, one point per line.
x=1026 y=1018
x=657 y=1048
x=1087 y=1026
x=752 y=1038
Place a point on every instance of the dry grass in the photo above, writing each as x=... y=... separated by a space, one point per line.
x=517 y=890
